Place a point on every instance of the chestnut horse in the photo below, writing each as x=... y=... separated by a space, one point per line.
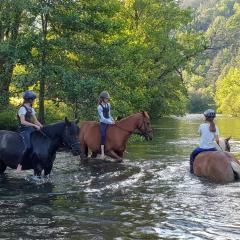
x=219 y=166
x=116 y=137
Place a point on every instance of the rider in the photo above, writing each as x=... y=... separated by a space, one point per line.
x=105 y=118
x=28 y=122
x=208 y=133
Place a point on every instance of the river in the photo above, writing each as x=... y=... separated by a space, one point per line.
x=150 y=196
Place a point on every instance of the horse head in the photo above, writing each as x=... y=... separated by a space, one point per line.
x=71 y=136
x=144 y=126
x=227 y=145
x=224 y=145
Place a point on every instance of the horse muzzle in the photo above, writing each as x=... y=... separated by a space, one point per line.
x=75 y=149
x=148 y=135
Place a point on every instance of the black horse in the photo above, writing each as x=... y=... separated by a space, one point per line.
x=45 y=143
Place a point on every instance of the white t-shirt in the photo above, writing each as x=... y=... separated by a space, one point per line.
x=207 y=138
x=22 y=111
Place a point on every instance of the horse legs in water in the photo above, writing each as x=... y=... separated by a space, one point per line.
x=38 y=170
x=47 y=170
x=2 y=167
x=84 y=151
x=114 y=155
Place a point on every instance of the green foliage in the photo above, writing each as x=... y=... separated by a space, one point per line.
x=219 y=20
x=8 y=119
x=227 y=94
x=72 y=50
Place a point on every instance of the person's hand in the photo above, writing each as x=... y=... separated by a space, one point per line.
x=37 y=127
x=113 y=122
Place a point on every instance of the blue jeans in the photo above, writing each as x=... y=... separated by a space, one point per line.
x=26 y=136
x=25 y=133
x=103 y=130
x=195 y=153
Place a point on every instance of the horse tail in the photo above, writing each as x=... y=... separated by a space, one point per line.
x=236 y=169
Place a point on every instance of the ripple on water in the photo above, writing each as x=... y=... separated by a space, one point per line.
x=150 y=196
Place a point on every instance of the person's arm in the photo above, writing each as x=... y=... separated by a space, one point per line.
x=26 y=123
x=199 y=130
x=113 y=122
x=217 y=135
x=36 y=121
x=102 y=118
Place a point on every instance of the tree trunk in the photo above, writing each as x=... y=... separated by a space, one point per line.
x=7 y=63
x=5 y=80
x=44 y=18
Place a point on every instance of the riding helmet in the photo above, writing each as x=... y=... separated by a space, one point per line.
x=210 y=113
x=104 y=94
x=28 y=95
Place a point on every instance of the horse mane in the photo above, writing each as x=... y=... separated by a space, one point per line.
x=145 y=114
x=222 y=145
x=54 y=129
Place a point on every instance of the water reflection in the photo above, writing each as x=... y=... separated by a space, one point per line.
x=151 y=196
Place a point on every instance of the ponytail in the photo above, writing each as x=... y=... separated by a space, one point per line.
x=212 y=126
x=100 y=101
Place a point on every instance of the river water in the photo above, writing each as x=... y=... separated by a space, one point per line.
x=150 y=196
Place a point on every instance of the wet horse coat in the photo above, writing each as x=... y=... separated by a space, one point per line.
x=44 y=147
x=116 y=137
x=219 y=166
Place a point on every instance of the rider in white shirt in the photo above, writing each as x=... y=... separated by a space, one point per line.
x=209 y=133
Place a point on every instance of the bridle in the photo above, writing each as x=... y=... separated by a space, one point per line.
x=143 y=132
x=143 y=129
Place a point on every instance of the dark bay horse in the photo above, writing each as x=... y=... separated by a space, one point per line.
x=219 y=166
x=117 y=135
x=45 y=143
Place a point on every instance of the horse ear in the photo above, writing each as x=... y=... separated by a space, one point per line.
x=77 y=121
x=145 y=114
x=227 y=139
x=67 y=121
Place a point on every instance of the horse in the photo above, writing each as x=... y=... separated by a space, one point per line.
x=116 y=137
x=45 y=143
x=219 y=166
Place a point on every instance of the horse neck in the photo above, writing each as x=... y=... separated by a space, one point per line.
x=130 y=123
x=221 y=146
x=54 y=131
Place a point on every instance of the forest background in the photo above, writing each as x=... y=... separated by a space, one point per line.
x=163 y=56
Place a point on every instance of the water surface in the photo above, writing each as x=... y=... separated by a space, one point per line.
x=150 y=196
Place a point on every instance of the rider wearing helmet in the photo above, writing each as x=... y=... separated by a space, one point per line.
x=105 y=118
x=209 y=133
x=28 y=122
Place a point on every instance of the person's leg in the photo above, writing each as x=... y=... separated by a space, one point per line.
x=103 y=128
x=193 y=156
x=26 y=135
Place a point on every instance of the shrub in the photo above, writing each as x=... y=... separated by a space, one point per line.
x=8 y=119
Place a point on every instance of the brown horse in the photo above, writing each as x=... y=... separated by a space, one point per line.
x=116 y=137
x=219 y=166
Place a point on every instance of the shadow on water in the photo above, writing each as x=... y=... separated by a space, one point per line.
x=150 y=196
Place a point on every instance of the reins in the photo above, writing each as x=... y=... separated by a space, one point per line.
x=44 y=134
x=130 y=132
